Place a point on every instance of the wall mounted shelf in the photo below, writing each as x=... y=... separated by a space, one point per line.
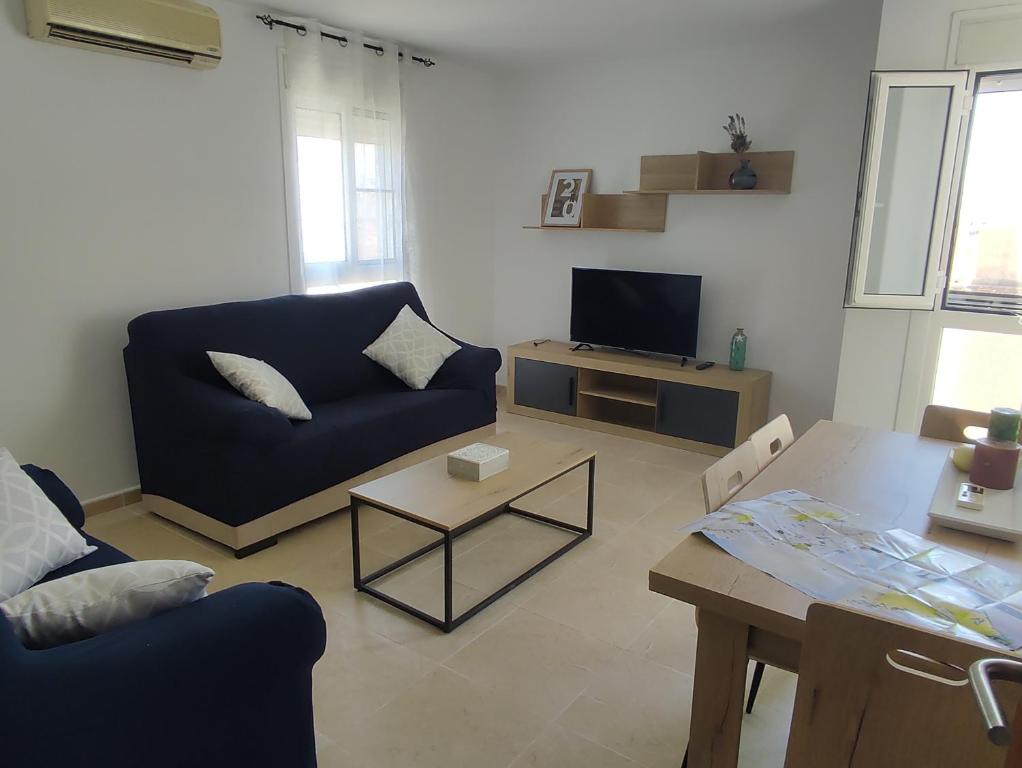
x=617 y=213
x=703 y=173
x=706 y=173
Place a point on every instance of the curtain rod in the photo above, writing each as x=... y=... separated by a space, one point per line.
x=270 y=22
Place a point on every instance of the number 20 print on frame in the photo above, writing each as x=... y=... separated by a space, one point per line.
x=564 y=197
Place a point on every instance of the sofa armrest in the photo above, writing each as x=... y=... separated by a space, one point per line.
x=471 y=367
x=213 y=412
x=57 y=492
x=191 y=682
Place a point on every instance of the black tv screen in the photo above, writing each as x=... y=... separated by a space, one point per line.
x=648 y=311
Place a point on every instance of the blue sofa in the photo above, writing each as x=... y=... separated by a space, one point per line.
x=224 y=681
x=241 y=472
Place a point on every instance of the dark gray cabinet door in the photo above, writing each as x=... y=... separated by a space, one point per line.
x=547 y=386
x=697 y=413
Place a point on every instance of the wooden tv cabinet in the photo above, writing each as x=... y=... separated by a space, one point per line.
x=647 y=398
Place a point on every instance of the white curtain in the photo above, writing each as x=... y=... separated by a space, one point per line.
x=343 y=136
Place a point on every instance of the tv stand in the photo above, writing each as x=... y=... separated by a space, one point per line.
x=582 y=346
x=651 y=399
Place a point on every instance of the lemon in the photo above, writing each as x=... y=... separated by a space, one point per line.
x=962 y=457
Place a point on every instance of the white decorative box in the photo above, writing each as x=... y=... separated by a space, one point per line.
x=477 y=461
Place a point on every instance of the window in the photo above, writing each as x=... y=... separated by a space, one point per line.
x=904 y=194
x=986 y=259
x=344 y=157
x=978 y=370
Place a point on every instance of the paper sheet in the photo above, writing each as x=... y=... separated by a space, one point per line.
x=815 y=547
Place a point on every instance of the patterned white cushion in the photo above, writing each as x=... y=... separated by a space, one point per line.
x=91 y=602
x=35 y=538
x=411 y=349
x=261 y=382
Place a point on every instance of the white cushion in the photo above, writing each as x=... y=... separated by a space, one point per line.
x=411 y=349
x=91 y=602
x=35 y=538
x=261 y=382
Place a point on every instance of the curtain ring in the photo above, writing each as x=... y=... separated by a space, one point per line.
x=379 y=52
x=302 y=31
x=342 y=42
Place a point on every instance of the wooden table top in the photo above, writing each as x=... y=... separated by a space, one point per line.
x=887 y=477
x=427 y=493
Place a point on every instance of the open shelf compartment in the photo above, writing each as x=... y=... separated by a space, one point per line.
x=618 y=387
x=617 y=412
x=617 y=213
x=707 y=173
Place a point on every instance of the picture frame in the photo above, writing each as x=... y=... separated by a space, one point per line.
x=564 y=197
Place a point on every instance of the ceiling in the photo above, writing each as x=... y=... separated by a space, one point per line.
x=520 y=32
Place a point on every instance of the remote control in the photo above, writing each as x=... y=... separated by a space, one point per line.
x=704 y=366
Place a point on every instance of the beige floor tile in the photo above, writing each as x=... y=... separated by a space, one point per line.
x=498 y=561
x=671 y=638
x=579 y=666
x=636 y=708
x=558 y=748
x=360 y=673
x=401 y=539
x=542 y=664
x=630 y=556
x=552 y=491
x=602 y=605
x=680 y=509
x=765 y=730
x=447 y=720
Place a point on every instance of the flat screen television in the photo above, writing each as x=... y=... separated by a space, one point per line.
x=647 y=311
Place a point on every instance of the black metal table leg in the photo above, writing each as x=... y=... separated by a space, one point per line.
x=448 y=582
x=592 y=495
x=356 y=564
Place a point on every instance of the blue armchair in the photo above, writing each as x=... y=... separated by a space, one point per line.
x=223 y=681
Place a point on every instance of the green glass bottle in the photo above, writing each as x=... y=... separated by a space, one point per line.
x=738 y=342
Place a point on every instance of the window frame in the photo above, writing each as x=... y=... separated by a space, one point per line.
x=352 y=271
x=881 y=83
x=961 y=163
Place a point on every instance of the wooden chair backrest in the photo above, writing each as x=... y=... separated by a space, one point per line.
x=943 y=423
x=855 y=709
x=771 y=439
x=728 y=476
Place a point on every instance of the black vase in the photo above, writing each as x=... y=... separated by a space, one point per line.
x=743 y=177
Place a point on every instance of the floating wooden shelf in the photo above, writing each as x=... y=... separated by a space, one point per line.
x=617 y=213
x=706 y=173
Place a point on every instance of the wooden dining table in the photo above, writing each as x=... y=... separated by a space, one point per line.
x=888 y=478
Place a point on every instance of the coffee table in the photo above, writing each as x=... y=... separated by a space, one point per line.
x=426 y=495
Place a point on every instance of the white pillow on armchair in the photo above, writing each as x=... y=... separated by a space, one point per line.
x=35 y=538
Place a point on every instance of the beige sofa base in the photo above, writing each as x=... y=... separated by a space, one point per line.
x=304 y=510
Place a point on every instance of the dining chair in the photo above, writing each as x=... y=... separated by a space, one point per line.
x=944 y=423
x=771 y=439
x=873 y=692
x=728 y=476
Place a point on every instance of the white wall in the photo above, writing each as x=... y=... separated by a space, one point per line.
x=451 y=120
x=882 y=350
x=127 y=186
x=773 y=265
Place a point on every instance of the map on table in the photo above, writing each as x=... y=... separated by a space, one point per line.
x=815 y=547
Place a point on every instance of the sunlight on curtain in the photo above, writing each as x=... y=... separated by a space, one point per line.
x=345 y=161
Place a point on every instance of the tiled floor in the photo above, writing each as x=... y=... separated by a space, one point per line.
x=580 y=666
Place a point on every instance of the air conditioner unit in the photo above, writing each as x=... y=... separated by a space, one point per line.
x=172 y=31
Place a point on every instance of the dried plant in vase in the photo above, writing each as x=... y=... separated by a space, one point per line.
x=743 y=177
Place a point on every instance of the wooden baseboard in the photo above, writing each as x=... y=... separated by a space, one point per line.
x=112 y=501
